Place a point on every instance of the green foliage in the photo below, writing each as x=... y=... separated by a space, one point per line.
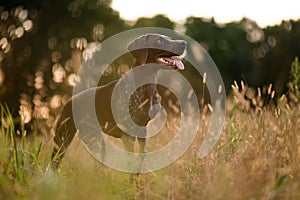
x=295 y=74
x=294 y=81
x=228 y=45
x=8 y=134
x=280 y=183
x=20 y=158
x=157 y=21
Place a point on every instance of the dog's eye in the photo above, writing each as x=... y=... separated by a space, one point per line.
x=159 y=41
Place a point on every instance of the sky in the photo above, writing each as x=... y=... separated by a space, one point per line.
x=264 y=12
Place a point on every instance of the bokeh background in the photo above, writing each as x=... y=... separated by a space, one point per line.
x=43 y=43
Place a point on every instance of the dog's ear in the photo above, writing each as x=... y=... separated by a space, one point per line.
x=139 y=49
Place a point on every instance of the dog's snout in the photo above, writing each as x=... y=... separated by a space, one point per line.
x=182 y=43
x=180 y=46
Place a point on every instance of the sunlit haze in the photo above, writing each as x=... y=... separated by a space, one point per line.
x=264 y=12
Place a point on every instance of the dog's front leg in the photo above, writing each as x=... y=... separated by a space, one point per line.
x=142 y=150
x=128 y=142
x=142 y=145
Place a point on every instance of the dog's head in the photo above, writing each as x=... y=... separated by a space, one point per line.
x=156 y=48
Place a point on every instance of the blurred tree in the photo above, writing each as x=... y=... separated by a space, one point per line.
x=229 y=45
x=281 y=46
x=41 y=47
x=243 y=50
x=156 y=21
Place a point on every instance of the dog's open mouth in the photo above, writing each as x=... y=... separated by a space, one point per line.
x=174 y=62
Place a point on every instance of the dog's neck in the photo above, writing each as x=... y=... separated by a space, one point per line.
x=150 y=88
x=136 y=63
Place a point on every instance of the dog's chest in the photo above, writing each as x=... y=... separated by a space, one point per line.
x=135 y=100
x=140 y=103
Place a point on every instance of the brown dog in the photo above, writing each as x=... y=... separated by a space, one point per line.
x=150 y=48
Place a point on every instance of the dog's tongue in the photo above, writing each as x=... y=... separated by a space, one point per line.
x=176 y=63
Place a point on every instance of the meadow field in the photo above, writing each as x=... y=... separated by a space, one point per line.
x=256 y=157
x=48 y=47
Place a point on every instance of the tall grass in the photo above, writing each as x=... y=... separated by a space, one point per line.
x=20 y=156
x=256 y=157
x=25 y=171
